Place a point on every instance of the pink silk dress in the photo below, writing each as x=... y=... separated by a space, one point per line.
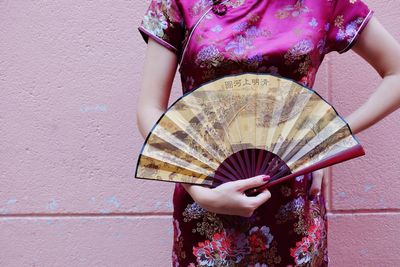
x=289 y=38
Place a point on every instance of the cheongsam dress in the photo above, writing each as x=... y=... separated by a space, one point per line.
x=288 y=38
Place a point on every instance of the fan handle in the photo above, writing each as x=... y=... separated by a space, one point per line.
x=353 y=152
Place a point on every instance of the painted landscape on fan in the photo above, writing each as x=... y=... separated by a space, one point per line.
x=243 y=125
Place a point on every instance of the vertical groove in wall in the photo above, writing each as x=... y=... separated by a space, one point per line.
x=329 y=93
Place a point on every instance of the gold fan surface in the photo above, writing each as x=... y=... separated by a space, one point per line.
x=242 y=111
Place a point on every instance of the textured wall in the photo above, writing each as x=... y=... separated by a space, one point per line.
x=69 y=73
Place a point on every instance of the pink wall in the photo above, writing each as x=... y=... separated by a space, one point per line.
x=69 y=75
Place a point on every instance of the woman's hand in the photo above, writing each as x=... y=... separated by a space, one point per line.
x=319 y=182
x=229 y=197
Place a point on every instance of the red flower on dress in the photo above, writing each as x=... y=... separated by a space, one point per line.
x=304 y=250
x=259 y=239
x=225 y=249
x=211 y=252
x=301 y=253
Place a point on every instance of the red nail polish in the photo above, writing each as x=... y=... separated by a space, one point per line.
x=266 y=178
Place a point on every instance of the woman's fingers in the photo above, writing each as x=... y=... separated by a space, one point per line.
x=260 y=198
x=251 y=182
x=317 y=177
x=229 y=197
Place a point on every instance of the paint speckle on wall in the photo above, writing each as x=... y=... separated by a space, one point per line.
x=96 y=108
x=170 y=230
x=104 y=211
x=157 y=204
x=368 y=187
x=116 y=234
x=52 y=204
x=364 y=252
x=164 y=241
x=50 y=221
x=168 y=204
x=11 y=201
x=3 y=210
x=382 y=202
x=114 y=201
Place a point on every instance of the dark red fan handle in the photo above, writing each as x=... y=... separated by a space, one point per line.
x=248 y=163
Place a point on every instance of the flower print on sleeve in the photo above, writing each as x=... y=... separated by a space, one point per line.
x=164 y=22
x=348 y=19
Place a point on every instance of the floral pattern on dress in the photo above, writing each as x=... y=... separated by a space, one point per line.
x=292 y=10
x=348 y=32
x=311 y=250
x=244 y=34
x=347 y=22
x=164 y=22
x=178 y=249
x=231 y=247
x=234 y=3
x=208 y=57
x=236 y=53
x=156 y=22
x=198 y=8
x=227 y=240
x=208 y=222
x=224 y=249
x=290 y=211
x=159 y=18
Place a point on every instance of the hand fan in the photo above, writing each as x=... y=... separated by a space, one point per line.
x=242 y=125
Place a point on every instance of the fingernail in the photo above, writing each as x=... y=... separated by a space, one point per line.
x=266 y=178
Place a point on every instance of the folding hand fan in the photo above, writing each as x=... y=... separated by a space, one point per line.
x=243 y=125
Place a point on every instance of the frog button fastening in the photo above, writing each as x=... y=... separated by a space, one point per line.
x=218 y=8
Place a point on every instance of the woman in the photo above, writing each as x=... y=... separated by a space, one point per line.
x=285 y=225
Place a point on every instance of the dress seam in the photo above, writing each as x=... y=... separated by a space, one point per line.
x=363 y=24
x=159 y=39
x=193 y=29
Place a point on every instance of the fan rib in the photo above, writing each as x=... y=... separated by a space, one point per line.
x=287 y=131
x=266 y=163
x=335 y=125
x=163 y=134
x=172 y=160
x=239 y=172
x=226 y=166
x=322 y=110
x=259 y=161
x=220 y=118
x=242 y=165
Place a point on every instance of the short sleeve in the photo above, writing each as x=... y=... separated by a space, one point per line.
x=347 y=20
x=164 y=22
